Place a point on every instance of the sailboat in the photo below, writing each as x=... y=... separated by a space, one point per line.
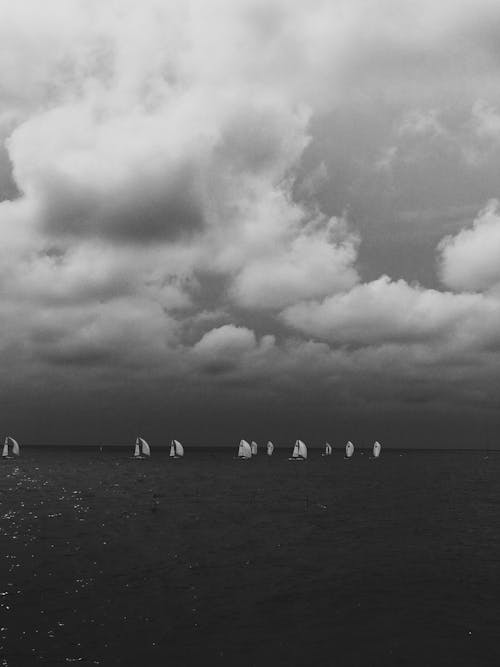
x=254 y=448
x=14 y=448
x=349 y=450
x=176 y=450
x=377 y=447
x=299 y=451
x=142 y=449
x=244 y=450
x=270 y=448
x=328 y=449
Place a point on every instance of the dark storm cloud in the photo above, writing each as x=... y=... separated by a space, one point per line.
x=143 y=210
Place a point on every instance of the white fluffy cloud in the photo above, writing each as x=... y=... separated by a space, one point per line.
x=384 y=311
x=229 y=347
x=470 y=260
x=311 y=263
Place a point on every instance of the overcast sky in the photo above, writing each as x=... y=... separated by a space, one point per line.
x=250 y=218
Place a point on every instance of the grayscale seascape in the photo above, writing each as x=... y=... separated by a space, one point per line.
x=260 y=219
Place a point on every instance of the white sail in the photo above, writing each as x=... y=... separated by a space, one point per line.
x=244 y=450
x=349 y=449
x=178 y=448
x=145 y=448
x=376 y=449
x=254 y=448
x=172 y=449
x=270 y=448
x=328 y=449
x=302 y=450
x=5 y=450
x=299 y=450
x=15 y=446
x=137 y=449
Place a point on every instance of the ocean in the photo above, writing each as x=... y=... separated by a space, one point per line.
x=213 y=561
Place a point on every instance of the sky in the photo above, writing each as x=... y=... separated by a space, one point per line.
x=250 y=218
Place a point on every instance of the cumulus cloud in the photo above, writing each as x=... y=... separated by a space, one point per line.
x=385 y=311
x=316 y=261
x=229 y=347
x=470 y=260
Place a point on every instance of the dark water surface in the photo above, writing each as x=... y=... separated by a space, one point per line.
x=209 y=560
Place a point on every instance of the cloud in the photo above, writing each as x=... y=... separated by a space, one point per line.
x=228 y=340
x=225 y=349
x=420 y=123
x=470 y=260
x=315 y=262
x=107 y=178
x=384 y=311
x=486 y=121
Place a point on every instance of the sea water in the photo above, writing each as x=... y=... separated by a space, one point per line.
x=211 y=560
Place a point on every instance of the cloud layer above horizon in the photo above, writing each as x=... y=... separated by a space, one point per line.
x=241 y=199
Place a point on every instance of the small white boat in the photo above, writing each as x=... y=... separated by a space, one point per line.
x=270 y=448
x=299 y=451
x=349 y=450
x=14 y=448
x=142 y=450
x=377 y=448
x=328 y=449
x=254 y=448
x=244 y=450
x=176 y=450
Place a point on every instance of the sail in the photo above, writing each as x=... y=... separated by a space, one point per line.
x=295 y=453
x=145 y=449
x=179 y=449
x=376 y=449
x=328 y=449
x=5 y=450
x=349 y=449
x=172 y=449
x=302 y=450
x=270 y=448
x=137 y=450
x=254 y=448
x=15 y=446
x=244 y=450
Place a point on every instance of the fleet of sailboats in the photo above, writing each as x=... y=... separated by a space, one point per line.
x=11 y=448
x=246 y=450
x=176 y=450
